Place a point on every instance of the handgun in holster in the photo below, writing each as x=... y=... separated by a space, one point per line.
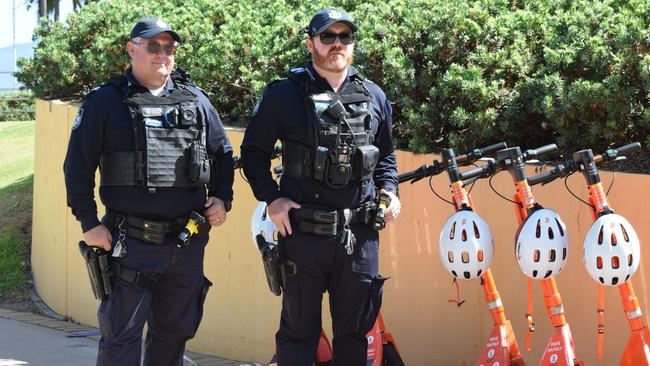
x=99 y=270
x=277 y=269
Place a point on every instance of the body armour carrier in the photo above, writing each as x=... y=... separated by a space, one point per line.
x=170 y=137
x=341 y=129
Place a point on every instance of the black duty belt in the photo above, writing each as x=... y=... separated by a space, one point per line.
x=325 y=221
x=151 y=231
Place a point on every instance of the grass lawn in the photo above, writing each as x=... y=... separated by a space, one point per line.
x=16 y=178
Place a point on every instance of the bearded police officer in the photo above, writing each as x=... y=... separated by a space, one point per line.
x=335 y=129
x=159 y=144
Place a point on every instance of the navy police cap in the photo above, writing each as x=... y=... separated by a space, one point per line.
x=325 y=18
x=148 y=28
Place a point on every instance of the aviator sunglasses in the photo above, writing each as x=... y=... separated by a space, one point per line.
x=329 y=38
x=154 y=47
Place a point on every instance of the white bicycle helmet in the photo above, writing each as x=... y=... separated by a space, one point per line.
x=261 y=224
x=611 y=251
x=466 y=246
x=542 y=244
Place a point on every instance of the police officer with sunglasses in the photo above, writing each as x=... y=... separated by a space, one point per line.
x=164 y=159
x=335 y=129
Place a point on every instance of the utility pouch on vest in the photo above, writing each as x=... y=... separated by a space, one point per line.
x=365 y=161
x=99 y=270
x=320 y=162
x=199 y=165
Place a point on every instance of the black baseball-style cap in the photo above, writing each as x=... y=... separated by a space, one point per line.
x=326 y=17
x=148 y=28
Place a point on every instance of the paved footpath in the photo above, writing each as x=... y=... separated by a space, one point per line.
x=37 y=340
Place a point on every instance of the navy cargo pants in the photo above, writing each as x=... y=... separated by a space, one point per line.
x=172 y=311
x=355 y=296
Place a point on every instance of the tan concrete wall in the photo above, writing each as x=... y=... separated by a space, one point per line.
x=241 y=315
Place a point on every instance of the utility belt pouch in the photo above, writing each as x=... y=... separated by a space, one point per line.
x=365 y=161
x=99 y=270
x=199 y=166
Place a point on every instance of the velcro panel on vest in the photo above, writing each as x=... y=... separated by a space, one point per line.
x=168 y=156
x=118 y=168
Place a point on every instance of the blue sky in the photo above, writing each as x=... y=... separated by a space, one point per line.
x=25 y=20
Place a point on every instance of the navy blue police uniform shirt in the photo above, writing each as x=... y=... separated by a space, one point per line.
x=281 y=114
x=103 y=126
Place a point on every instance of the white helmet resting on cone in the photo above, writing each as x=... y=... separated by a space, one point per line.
x=261 y=224
x=466 y=246
x=542 y=244
x=611 y=251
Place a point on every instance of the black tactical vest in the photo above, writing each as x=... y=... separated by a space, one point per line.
x=169 y=141
x=341 y=126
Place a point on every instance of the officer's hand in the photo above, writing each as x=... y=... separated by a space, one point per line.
x=215 y=212
x=99 y=236
x=393 y=209
x=278 y=211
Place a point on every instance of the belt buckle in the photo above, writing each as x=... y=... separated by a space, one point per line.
x=153 y=226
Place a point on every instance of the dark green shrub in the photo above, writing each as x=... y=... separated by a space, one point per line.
x=461 y=73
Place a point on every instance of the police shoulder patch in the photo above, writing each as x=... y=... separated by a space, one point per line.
x=77 y=120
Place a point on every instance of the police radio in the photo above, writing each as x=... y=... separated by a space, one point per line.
x=339 y=170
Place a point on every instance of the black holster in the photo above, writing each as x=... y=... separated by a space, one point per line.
x=276 y=269
x=99 y=270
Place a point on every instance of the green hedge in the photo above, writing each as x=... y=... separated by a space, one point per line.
x=17 y=106
x=460 y=73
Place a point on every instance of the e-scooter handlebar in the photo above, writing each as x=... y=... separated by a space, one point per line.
x=438 y=167
x=277 y=152
x=572 y=165
x=494 y=167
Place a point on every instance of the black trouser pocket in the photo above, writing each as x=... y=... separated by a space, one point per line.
x=372 y=305
x=203 y=293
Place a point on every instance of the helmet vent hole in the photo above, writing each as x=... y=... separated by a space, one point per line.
x=600 y=236
x=452 y=232
x=538 y=229
x=627 y=278
x=551 y=255
x=477 y=234
x=479 y=255
x=601 y=280
x=535 y=273
x=467 y=275
x=629 y=260
x=465 y=257
x=536 y=255
x=450 y=256
x=599 y=262
x=478 y=274
x=550 y=233
x=615 y=262
x=548 y=273
x=559 y=227
x=563 y=253
x=614 y=280
x=625 y=236
x=463 y=235
x=613 y=240
x=454 y=273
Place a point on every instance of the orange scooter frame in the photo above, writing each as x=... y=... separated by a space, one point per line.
x=560 y=349
x=637 y=350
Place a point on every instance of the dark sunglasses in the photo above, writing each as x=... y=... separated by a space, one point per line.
x=154 y=47
x=329 y=38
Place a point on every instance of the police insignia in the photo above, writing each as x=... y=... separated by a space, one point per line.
x=77 y=120
x=257 y=106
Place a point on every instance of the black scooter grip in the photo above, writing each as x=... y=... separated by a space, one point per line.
x=493 y=148
x=472 y=173
x=413 y=174
x=540 y=151
x=542 y=178
x=620 y=151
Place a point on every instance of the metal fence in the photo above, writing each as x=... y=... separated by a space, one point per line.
x=5 y=96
